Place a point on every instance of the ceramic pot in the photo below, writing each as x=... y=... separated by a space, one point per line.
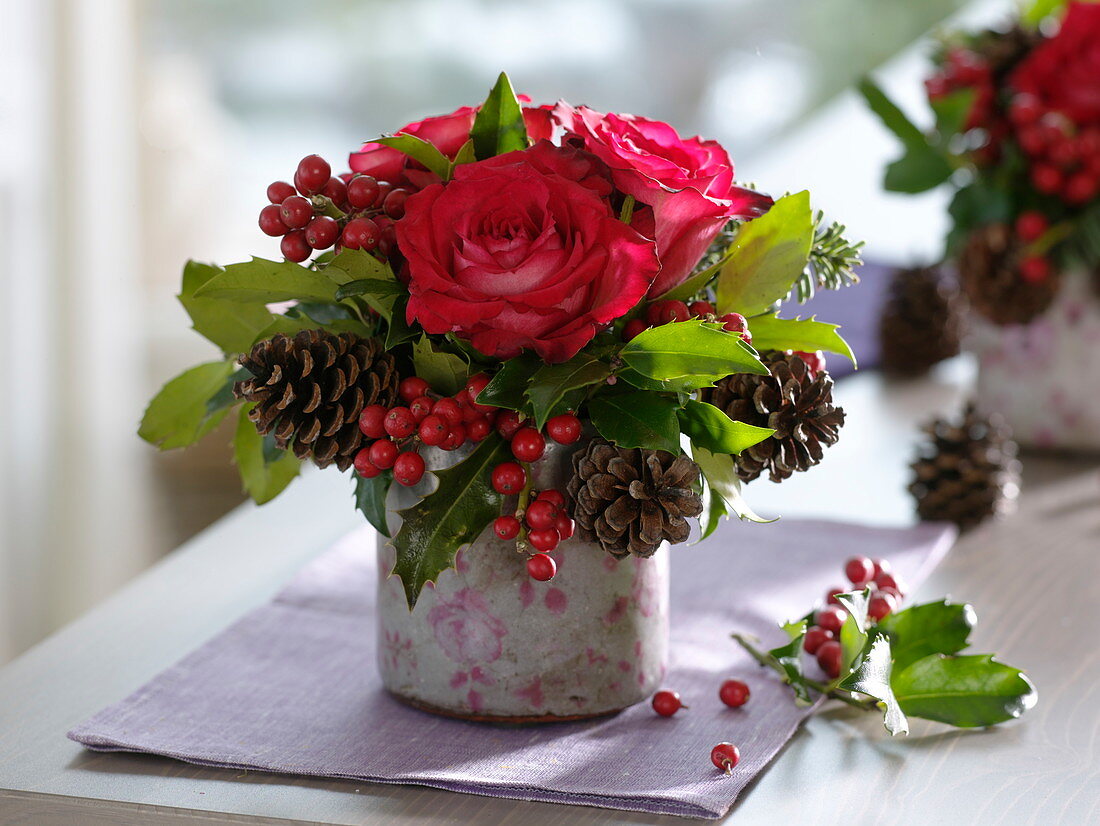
x=1043 y=377
x=489 y=643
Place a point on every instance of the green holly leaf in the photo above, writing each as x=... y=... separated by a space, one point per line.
x=553 y=382
x=1037 y=11
x=855 y=631
x=445 y=372
x=682 y=384
x=399 y=330
x=932 y=628
x=710 y=428
x=872 y=678
x=951 y=112
x=499 y=125
x=789 y=660
x=923 y=166
x=420 y=151
x=439 y=525
x=265 y=470
x=965 y=691
x=231 y=325
x=465 y=155
x=723 y=485
x=769 y=332
x=260 y=280
x=767 y=255
x=637 y=419
x=372 y=287
x=370 y=499
x=506 y=389
x=179 y=414
x=690 y=349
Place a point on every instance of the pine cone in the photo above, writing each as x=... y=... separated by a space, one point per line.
x=990 y=277
x=629 y=500
x=792 y=401
x=920 y=324
x=967 y=471
x=309 y=391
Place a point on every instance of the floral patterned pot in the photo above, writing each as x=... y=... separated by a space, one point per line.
x=489 y=643
x=1044 y=377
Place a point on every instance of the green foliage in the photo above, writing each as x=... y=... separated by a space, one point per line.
x=923 y=166
x=499 y=125
x=352 y=266
x=260 y=280
x=637 y=419
x=932 y=628
x=399 y=330
x=872 y=678
x=435 y=528
x=769 y=332
x=721 y=491
x=368 y=286
x=966 y=691
x=1037 y=11
x=710 y=428
x=507 y=388
x=832 y=262
x=370 y=499
x=552 y=383
x=445 y=372
x=180 y=414
x=265 y=470
x=420 y=151
x=690 y=349
x=767 y=255
x=232 y=325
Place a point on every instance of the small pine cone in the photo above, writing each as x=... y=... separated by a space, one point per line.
x=921 y=322
x=629 y=500
x=792 y=401
x=966 y=471
x=309 y=391
x=990 y=277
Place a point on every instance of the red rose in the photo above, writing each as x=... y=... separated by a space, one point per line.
x=447 y=133
x=1064 y=71
x=687 y=183
x=523 y=251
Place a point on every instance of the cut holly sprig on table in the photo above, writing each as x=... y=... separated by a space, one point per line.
x=862 y=649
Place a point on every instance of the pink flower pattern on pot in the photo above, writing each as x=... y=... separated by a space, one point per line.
x=465 y=629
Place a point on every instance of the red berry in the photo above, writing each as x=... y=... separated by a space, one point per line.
x=362 y=191
x=509 y=477
x=296 y=211
x=336 y=191
x=829 y=656
x=399 y=422
x=564 y=525
x=508 y=422
x=279 y=191
x=528 y=445
x=433 y=430
x=313 y=173
x=449 y=410
x=322 y=232
x=478 y=429
x=383 y=453
x=1035 y=269
x=363 y=465
x=701 y=308
x=456 y=437
x=734 y=693
x=506 y=527
x=408 y=469
x=725 y=756
x=831 y=618
x=830 y=595
x=554 y=497
x=271 y=220
x=815 y=636
x=880 y=605
x=541 y=567
x=1025 y=109
x=633 y=328
x=888 y=580
x=394 y=205
x=361 y=234
x=295 y=247
x=384 y=189
x=1031 y=224
x=564 y=429
x=734 y=322
x=1081 y=187
x=882 y=566
x=1047 y=179
x=666 y=703
x=859 y=569
x=666 y=312
x=372 y=421
x=544 y=540
x=411 y=388
x=474 y=386
x=815 y=360
x=541 y=514
x=420 y=407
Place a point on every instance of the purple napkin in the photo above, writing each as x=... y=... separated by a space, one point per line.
x=292 y=687
x=856 y=310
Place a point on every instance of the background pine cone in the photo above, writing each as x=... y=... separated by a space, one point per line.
x=629 y=500
x=990 y=277
x=920 y=323
x=791 y=401
x=309 y=391
x=966 y=471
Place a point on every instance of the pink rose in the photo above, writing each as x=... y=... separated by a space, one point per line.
x=687 y=183
x=465 y=628
x=523 y=251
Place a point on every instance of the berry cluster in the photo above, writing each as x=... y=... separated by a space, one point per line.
x=966 y=69
x=1064 y=157
x=319 y=211
x=822 y=638
x=669 y=310
x=733 y=693
x=1031 y=225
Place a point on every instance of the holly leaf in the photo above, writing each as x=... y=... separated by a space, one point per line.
x=179 y=415
x=370 y=499
x=789 y=659
x=506 y=389
x=260 y=280
x=723 y=483
x=351 y=266
x=769 y=332
x=637 y=419
x=231 y=325
x=399 y=330
x=465 y=155
x=710 y=428
x=872 y=678
x=420 y=151
x=690 y=349
x=445 y=372
x=439 y=525
x=854 y=631
x=552 y=382
x=965 y=691
x=265 y=470
x=682 y=384
x=499 y=125
x=368 y=287
x=932 y=628
x=766 y=257
x=923 y=166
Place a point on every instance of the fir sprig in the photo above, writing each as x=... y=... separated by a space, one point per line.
x=832 y=262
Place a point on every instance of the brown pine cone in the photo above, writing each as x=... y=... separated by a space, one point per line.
x=920 y=323
x=966 y=471
x=990 y=277
x=309 y=391
x=792 y=401
x=629 y=500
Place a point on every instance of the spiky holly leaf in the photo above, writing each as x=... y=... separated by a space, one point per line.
x=642 y=419
x=553 y=382
x=265 y=470
x=872 y=677
x=232 y=325
x=370 y=499
x=968 y=691
x=770 y=332
x=421 y=151
x=499 y=126
x=181 y=413
x=932 y=628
